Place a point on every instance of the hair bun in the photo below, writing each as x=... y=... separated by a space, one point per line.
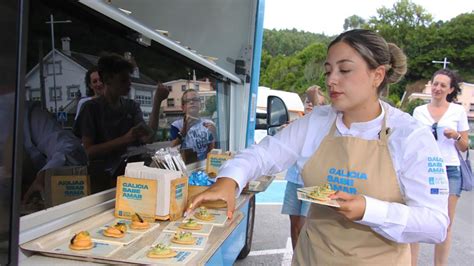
x=398 y=64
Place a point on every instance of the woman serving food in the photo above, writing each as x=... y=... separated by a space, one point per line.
x=375 y=156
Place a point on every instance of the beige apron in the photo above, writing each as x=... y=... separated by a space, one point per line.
x=356 y=166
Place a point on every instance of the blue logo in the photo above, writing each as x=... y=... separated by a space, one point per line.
x=434 y=191
x=431 y=180
x=437 y=180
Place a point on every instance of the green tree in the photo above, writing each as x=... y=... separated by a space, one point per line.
x=353 y=22
x=293 y=60
x=297 y=72
x=410 y=107
x=210 y=107
x=289 y=42
x=398 y=24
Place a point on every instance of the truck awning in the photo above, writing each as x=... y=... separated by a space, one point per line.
x=116 y=14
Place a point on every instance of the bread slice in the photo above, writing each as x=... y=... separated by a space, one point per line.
x=154 y=255
x=208 y=218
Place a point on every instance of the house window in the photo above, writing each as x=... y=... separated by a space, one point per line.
x=471 y=108
x=170 y=88
x=49 y=68
x=170 y=102
x=183 y=87
x=143 y=97
x=203 y=103
x=73 y=92
x=196 y=86
x=35 y=94
x=58 y=94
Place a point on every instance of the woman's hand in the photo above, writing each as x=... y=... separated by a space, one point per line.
x=351 y=206
x=161 y=93
x=451 y=133
x=312 y=94
x=223 y=189
x=211 y=127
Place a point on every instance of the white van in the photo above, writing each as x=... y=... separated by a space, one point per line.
x=292 y=101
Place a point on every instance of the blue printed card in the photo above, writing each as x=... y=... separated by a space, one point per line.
x=165 y=238
x=129 y=237
x=99 y=249
x=183 y=257
x=128 y=223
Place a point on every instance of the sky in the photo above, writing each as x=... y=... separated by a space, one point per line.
x=328 y=16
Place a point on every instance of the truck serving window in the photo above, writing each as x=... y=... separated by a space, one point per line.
x=72 y=123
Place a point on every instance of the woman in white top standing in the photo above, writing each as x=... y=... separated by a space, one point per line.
x=449 y=125
x=374 y=155
x=94 y=86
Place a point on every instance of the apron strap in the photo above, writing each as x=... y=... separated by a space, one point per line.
x=383 y=135
x=332 y=131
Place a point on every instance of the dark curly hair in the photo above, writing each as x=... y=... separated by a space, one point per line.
x=87 y=80
x=455 y=80
x=112 y=64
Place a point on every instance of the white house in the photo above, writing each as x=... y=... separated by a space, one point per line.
x=70 y=70
x=177 y=87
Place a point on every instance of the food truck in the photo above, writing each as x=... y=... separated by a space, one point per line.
x=211 y=46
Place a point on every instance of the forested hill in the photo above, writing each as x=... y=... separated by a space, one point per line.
x=292 y=60
x=288 y=42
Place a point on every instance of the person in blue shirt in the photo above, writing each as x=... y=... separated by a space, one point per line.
x=195 y=134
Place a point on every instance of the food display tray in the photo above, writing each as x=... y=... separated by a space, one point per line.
x=50 y=244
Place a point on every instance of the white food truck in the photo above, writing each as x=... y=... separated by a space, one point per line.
x=212 y=46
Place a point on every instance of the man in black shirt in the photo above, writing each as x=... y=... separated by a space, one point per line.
x=108 y=124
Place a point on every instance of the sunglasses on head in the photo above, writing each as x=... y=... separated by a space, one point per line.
x=433 y=130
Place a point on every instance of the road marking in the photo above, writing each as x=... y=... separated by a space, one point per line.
x=286 y=261
x=269 y=203
x=287 y=252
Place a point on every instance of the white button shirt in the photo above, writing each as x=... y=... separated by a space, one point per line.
x=416 y=160
x=454 y=118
